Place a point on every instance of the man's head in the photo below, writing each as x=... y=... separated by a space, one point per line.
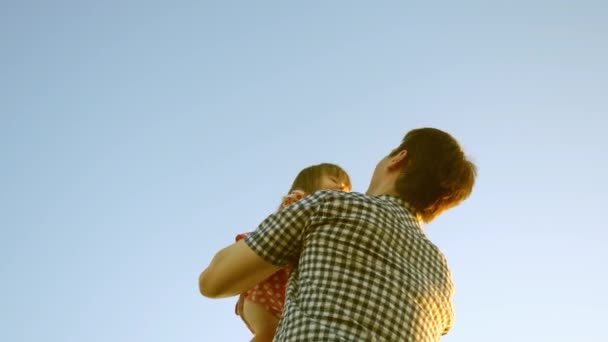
x=428 y=170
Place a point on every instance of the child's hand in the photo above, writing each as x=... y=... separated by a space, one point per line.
x=292 y=198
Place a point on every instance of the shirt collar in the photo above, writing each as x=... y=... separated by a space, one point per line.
x=399 y=201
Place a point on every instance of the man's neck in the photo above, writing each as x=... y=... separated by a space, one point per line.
x=382 y=189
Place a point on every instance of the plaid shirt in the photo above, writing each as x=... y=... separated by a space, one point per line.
x=363 y=270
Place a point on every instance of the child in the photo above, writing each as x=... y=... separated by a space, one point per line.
x=261 y=306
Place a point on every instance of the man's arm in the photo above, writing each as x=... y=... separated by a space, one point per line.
x=234 y=270
x=278 y=240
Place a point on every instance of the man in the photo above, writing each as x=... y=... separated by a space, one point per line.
x=363 y=269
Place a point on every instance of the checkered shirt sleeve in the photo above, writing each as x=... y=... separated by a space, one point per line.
x=363 y=270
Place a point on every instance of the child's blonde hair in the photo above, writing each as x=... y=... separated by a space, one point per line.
x=309 y=179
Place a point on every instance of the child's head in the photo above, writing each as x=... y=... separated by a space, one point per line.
x=321 y=177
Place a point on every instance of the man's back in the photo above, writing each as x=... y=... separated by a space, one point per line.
x=365 y=272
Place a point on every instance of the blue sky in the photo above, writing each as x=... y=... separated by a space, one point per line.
x=137 y=138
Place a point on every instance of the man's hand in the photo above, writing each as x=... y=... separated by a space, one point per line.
x=238 y=309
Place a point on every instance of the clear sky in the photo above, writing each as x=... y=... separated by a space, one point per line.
x=138 y=137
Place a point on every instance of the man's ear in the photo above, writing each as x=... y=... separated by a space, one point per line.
x=396 y=161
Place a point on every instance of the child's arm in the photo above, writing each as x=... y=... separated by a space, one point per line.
x=293 y=197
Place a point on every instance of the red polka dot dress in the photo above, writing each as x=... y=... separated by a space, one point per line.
x=271 y=292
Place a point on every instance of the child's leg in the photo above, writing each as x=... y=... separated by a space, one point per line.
x=260 y=321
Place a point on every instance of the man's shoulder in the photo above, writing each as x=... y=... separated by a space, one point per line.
x=327 y=194
x=339 y=200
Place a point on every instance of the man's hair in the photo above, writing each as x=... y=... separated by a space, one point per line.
x=309 y=179
x=436 y=175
